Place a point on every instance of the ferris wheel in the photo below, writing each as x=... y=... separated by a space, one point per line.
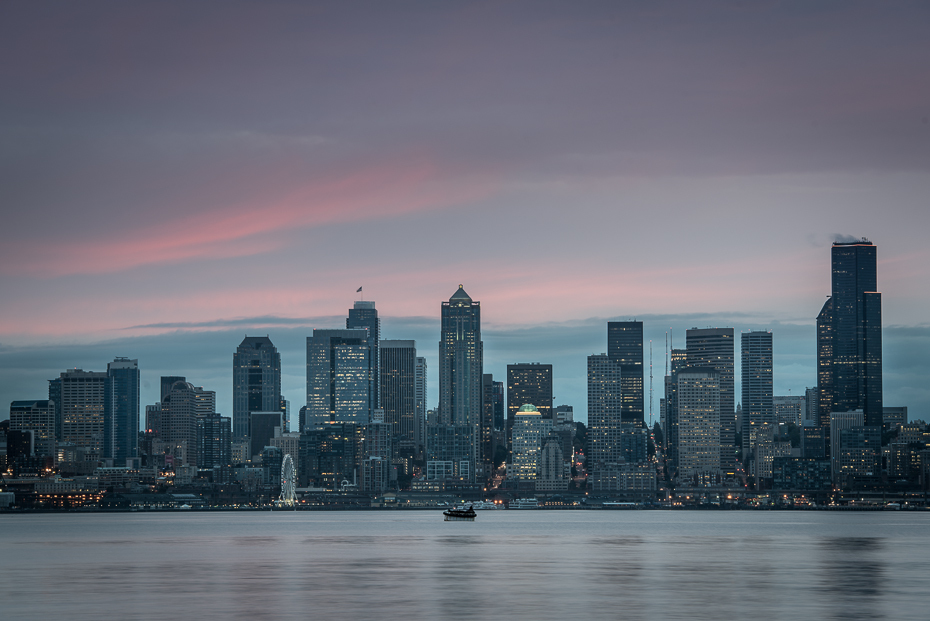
x=288 y=482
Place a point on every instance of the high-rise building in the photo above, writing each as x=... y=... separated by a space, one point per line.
x=857 y=331
x=894 y=417
x=329 y=455
x=215 y=435
x=262 y=426
x=167 y=381
x=365 y=315
x=489 y=398
x=420 y=397
x=398 y=392
x=625 y=346
x=528 y=382
x=757 y=387
x=714 y=348
x=564 y=414
x=461 y=356
x=679 y=362
x=840 y=421
x=177 y=428
x=790 y=409
x=604 y=412
x=825 y=363
x=83 y=397
x=811 y=407
x=699 y=397
x=529 y=430
x=121 y=422
x=338 y=377
x=256 y=381
x=37 y=417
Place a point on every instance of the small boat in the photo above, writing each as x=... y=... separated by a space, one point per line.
x=460 y=515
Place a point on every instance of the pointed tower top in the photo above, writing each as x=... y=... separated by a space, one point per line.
x=460 y=295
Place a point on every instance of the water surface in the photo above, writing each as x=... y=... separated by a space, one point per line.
x=516 y=564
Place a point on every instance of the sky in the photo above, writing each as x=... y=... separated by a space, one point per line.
x=176 y=175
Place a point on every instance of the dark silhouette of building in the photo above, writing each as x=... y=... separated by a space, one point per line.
x=461 y=356
x=492 y=415
x=625 y=347
x=398 y=391
x=857 y=331
x=121 y=420
x=262 y=426
x=256 y=381
x=215 y=436
x=757 y=388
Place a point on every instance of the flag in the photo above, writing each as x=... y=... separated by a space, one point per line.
x=359 y=290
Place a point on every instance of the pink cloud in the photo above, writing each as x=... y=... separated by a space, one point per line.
x=372 y=193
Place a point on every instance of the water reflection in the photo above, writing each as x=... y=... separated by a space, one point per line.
x=543 y=565
x=852 y=576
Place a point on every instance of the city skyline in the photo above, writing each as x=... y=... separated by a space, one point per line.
x=169 y=186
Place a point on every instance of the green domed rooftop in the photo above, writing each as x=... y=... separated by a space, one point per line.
x=527 y=408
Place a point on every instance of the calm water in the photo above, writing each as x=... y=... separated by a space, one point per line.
x=517 y=564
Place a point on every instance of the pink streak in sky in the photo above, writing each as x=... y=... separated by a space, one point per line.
x=377 y=192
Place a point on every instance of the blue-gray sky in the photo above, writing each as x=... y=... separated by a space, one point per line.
x=174 y=175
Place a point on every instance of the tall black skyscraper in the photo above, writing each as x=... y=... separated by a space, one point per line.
x=857 y=331
x=256 y=381
x=121 y=418
x=625 y=347
x=756 y=367
x=461 y=360
x=398 y=391
x=365 y=315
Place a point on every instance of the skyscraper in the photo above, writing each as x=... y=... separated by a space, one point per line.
x=757 y=387
x=529 y=430
x=420 y=396
x=39 y=418
x=256 y=381
x=177 y=427
x=461 y=356
x=825 y=363
x=699 y=396
x=398 y=391
x=528 y=382
x=121 y=422
x=83 y=405
x=365 y=315
x=604 y=411
x=714 y=348
x=625 y=347
x=679 y=362
x=492 y=406
x=338 y=377
x=857 y=331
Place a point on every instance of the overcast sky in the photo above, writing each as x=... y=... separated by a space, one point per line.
x=176 y=175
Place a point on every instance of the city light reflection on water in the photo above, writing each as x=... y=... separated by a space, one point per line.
x=519 y=564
